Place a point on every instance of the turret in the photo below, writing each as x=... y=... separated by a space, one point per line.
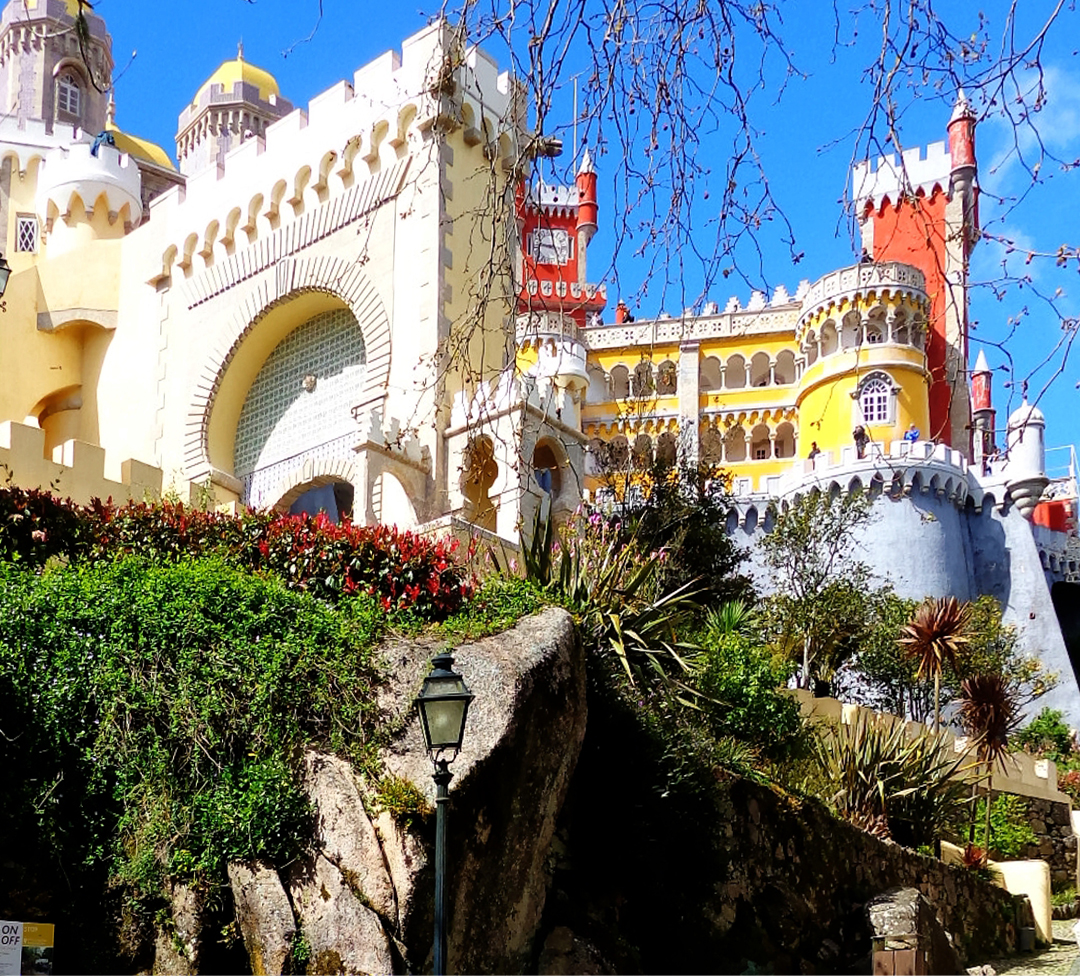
x=922 y=209
x=88 y=190
x=964 y=175
x=237 y=102
x=982 y=413
x=52 y=71
x=587 y=210
x=1025 y=466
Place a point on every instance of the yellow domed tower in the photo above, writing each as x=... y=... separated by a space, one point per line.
x=865 y=383
x=237 y=102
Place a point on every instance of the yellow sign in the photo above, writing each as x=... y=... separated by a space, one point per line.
x=37 y=934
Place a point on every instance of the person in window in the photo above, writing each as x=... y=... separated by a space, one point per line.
x=911 y=435
x=814 y=450
x=861 y=439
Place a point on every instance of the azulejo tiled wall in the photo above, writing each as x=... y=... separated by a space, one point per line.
x=302 y=396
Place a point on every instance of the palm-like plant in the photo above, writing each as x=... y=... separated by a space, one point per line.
x=989 y=714
x=933 y=638
x=889 y=783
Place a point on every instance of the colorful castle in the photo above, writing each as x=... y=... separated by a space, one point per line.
x=371 y=306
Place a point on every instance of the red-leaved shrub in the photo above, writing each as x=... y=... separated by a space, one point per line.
x=313 y=554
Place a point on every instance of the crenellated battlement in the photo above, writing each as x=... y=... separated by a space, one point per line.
x=350 y=133
x=898 y=471
x=890 y=179
x=76 y=470
x=81 y=172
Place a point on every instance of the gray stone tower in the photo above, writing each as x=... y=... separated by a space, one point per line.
x=46 y=74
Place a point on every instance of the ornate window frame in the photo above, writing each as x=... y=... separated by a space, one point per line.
x=885 y=409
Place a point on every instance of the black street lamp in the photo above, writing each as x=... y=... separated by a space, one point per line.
x=443 y=704
x=5 y=273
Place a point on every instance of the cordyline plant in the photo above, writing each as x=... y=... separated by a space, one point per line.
x=890 y=783
x=989 y=714
x=933 y=639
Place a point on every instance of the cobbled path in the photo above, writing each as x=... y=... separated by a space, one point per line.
x=1061 y=959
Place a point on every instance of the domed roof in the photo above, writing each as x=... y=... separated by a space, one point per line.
x=72 y=7
x=133 y=145
x=1026 y=413
x=230 y=72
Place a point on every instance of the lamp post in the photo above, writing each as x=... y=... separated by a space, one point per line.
x=443 y=704
x=5 y=273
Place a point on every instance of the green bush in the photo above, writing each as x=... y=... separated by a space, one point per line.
x=1010 y=829
x=1048 y=736
x=739 y=680
x=154 y=715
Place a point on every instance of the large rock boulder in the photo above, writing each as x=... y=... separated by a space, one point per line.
x=524 y=734
x=361 y=899
x=265 y=917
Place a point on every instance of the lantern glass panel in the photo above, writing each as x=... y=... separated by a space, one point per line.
x=5 y=273
x=445 y=721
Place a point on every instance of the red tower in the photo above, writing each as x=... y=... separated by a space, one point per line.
x=982 y=413
x=923 y=210
x=557 y=223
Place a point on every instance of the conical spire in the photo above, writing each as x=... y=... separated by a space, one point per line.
x=586 y=163
x=962 y=109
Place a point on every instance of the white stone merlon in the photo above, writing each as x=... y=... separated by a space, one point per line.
x=550 y=198
x=890 y=178
x=72 y=171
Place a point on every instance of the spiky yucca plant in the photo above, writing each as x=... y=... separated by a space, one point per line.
x=890 y=783
x=989 y=714
x=934 y=638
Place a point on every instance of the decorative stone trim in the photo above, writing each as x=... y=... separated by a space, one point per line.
x=309 y=228
x=312 y=473
x=846 y=285
x=696 y=328
x=333 y=275
x=53 y=320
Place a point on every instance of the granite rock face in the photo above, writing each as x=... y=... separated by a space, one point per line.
x=360 y=900
x=177 y=949
x=265 y=917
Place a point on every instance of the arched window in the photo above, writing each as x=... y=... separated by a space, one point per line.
x=68 y=95
x=620 y=382
x=709 y=374
x=667 y=379
x=785 y=367
x=642 y=384
x=875 y=400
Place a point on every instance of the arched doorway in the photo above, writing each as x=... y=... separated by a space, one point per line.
x=334 y=499
x=298 y=406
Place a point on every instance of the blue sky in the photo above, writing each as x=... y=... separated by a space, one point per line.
x=805 y=143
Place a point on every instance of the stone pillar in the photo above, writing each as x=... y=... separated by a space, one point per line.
x=689 y=393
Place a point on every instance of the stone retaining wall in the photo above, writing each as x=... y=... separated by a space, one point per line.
x=1052 y=824
x=735 y=874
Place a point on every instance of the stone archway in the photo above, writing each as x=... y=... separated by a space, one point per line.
x=340 y=283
